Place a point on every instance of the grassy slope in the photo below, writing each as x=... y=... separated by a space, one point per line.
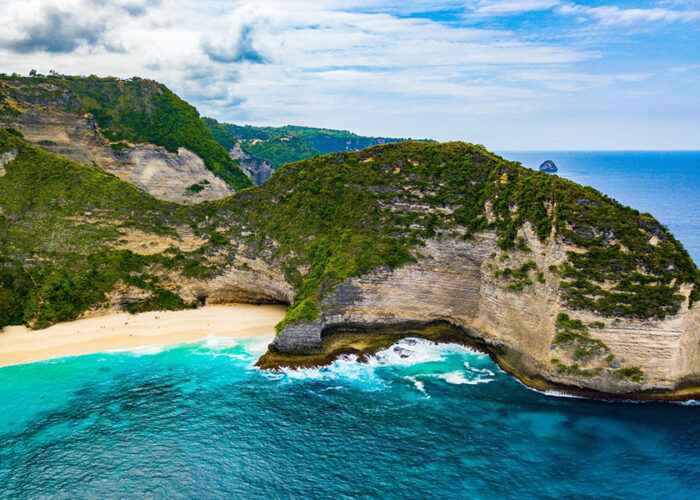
x=330 y=215
x=135 y=110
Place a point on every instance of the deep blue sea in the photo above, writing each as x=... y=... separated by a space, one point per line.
x=664 y=183
x=419 y=420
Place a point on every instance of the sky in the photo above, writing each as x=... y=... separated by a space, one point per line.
x=509 y=74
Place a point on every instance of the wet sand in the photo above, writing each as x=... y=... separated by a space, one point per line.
x=124 y=331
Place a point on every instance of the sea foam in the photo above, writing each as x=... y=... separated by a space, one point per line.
x=414 y=359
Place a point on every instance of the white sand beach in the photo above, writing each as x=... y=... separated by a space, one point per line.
x=123 y=331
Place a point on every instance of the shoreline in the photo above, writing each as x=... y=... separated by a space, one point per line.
x=120 y=330
x=117 y=331
x=363 y=345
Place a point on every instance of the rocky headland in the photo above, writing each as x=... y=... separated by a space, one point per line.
x=49 y=113
x=563 y=286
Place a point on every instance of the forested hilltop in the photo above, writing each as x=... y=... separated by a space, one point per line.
x=280 y=145
x=127 y=112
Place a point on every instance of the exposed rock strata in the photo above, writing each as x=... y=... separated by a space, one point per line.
x=454 y=283
x=247 y=281
x=161 y=173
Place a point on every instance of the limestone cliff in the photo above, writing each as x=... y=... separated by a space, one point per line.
x=161 y=173
x=454 y=283
x=258 y=170
x=565 y=287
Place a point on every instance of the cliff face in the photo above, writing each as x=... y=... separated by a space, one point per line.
x=161 y=173
x=258 y=170
x=564 y=286
x=453 y=282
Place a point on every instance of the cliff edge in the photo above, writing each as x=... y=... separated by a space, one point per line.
x=564 y=286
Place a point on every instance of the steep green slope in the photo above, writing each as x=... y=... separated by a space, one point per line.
x=59 y=223
x=134 y=110
x=331 y=141
x=281 y=150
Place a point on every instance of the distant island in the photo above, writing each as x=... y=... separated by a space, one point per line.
x=548 y=166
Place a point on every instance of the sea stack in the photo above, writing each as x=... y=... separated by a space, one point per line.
x=548 y=166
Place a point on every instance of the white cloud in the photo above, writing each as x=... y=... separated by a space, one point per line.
x=612 y=15
x=668 y=11
x=323 y=62
x=509 y=7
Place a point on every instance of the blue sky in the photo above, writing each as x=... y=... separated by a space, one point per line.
x=510 y=74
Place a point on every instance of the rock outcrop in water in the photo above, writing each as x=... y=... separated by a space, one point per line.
x=548 y=166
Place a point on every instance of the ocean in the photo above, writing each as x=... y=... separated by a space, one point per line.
x=419 y=420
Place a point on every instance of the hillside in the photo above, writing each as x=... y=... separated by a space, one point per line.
x=135 y=128
x=262 y=150
x=561 y=284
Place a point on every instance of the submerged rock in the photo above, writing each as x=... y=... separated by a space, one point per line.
x=548 y=166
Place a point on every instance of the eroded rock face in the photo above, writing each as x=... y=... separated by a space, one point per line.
x=247 y=281
x=161 y=173
x=257 y=170
x=455 y=282
x=5 y=158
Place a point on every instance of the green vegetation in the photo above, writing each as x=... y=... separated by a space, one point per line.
x=633 y=373
x=323 y=220
x=621 y=272
x=281 y=145
x=280 y=150
x=161 y=300
x=574 y=332
x=57 y=223
x=134 y=110
x=575 y=369
x=119 y=146
x=520 y=277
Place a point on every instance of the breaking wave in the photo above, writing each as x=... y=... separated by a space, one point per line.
x=418 y=361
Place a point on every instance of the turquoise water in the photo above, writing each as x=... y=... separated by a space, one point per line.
x=664 y=183
x=418 y=421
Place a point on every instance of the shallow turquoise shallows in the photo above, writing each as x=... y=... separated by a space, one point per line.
x=418 y=421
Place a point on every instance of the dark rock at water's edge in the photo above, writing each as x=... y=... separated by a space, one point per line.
x=548 y=166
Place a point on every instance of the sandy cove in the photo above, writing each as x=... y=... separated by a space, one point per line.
x=124 y=331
